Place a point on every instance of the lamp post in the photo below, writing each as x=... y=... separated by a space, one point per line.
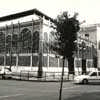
x=40 y=70
x=88 y=43
x=78 y=62
x=83 y=57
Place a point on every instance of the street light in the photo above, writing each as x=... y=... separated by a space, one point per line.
x=83 y=58
x=88 y=43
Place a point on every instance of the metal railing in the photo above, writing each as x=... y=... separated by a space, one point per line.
x=33 y=75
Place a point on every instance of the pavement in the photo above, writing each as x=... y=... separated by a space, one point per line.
x=33 y=90
x=86 y=96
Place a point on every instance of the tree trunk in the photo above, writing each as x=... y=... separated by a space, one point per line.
x=71 y=65
x=61 y=83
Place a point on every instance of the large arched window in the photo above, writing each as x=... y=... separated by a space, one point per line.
x=25 y=40
x=14 y=43
x=35 y=39
x=8 y=43
x=2 y=42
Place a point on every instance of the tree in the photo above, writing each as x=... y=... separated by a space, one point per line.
x=67 y=28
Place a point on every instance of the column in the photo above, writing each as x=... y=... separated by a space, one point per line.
x=16 y=60
x=58 y=62
x=48 y=34
x=31 y=60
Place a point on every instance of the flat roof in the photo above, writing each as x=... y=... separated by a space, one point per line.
x=25 y=13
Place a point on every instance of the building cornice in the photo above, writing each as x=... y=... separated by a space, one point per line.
x=24 y=14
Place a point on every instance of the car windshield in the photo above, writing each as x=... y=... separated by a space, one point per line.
x=93 y=74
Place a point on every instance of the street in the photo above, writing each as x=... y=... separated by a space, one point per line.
x=25 y=90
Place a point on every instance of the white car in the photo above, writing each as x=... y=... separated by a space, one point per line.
x=93 y=76
x=5 y=73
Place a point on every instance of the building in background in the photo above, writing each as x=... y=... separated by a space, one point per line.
x=86 y=54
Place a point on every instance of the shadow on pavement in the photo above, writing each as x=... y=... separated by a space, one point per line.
x=90 y=83
x=86 y=96
x=94 y=83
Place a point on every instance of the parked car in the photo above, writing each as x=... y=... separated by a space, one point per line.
x=93 y=76
x=5 y=73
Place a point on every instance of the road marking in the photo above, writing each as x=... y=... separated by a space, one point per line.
x=71 y=87
x=7 y=96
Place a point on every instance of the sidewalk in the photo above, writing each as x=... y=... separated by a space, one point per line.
x=44 y=79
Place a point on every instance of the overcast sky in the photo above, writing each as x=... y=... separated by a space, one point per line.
x=88 y=9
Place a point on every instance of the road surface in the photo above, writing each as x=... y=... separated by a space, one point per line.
x=24 y=90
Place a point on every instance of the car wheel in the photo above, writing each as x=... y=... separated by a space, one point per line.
x=85 y=81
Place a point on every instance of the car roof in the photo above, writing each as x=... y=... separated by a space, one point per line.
x=95 y=71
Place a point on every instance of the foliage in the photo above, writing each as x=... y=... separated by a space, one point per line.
x=67 y=28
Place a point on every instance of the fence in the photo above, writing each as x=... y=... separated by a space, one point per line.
x=32 y=75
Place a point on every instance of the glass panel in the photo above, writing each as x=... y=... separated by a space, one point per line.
x=1 y=60
x=94 y=74
x=99 y=73
x=25 y=38
x=2 y=42
x=24 y=61
x=10 y=61
x=45 y=59
x=53 y=62
x=35 y=46
x=35 y=61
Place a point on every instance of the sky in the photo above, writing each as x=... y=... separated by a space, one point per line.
x=88 y=9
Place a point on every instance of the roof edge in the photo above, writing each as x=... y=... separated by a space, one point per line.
x=25 y=13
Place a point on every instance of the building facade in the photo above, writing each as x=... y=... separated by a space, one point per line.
x=25 y=36
x=86 y=55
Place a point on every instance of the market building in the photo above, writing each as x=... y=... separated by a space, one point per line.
x=25 y=39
